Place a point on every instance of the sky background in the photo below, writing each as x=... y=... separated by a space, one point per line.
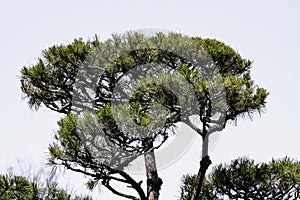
x=266 y=32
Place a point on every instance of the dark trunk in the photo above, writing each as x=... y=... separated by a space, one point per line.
x=204 y=164
x=153 y=181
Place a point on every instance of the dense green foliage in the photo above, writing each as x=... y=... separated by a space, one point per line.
x=91 y=145
x=20 y=188
x=243 y=179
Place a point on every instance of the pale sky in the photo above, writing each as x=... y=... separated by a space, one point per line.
x=264 y=31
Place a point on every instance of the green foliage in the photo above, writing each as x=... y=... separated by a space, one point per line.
x=228 y=61
x=188 y=182
x=50 y=80
x=20 y=188
x=14 y=187
x=243 y=179
x=91 y=144
x=242 y=95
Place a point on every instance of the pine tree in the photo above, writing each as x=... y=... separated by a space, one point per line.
x=171 y=78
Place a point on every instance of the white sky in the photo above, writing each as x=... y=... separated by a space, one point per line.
x=264 y=31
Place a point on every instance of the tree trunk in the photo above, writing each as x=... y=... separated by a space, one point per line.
x=153 y=181
x=204 y=164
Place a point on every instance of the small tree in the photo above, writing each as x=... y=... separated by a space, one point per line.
x=101 y=135
x=243 y=97
x=19 y=187
x=243 y=179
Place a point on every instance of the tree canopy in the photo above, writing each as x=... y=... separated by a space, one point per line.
x=245 y=179
x=21 y=188
x=101 y=135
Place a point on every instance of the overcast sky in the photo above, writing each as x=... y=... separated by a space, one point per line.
x=266 y=32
